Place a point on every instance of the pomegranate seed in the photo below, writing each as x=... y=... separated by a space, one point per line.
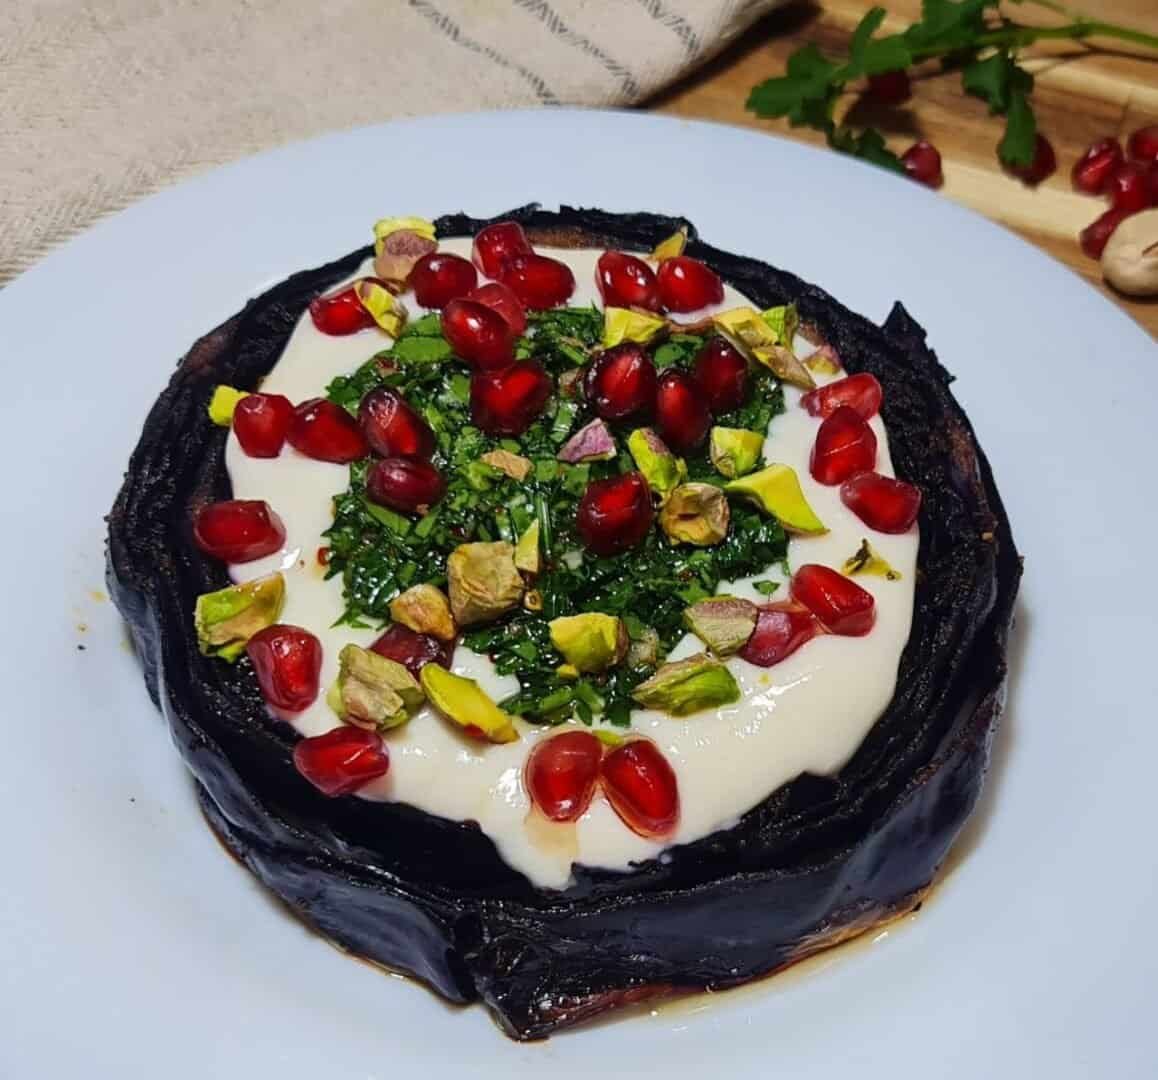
x=496 y=295
x=413 y=650
x=1096 y=235
x=625 y=281
x=845 y=444
x=404 y=484
x=392 y=427
x=1143 y=144
x=721 y=373
x=841 y=605
x=1092 y=171
x=342 y=760
x=681 y=411
x=641 y=786
x=497 y=243
x=621 y=383
x=260 y=422
x=288 y=663
x=614 y=514
x=507 y=402
x=860 y=392
x=882 y=503
x=479 y=334
x=1152 y=183
x=1043 y=164
x=781 y=629
x=324 y=431
x=539 y=282
x=341 y=313
x=238 y=530
x=440 y=277
x=922 y=162
x=323 y=556
x=890 y=87
x=686 y=284
x=561 y=774
x=1129 y=189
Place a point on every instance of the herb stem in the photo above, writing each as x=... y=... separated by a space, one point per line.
x=1019 y=37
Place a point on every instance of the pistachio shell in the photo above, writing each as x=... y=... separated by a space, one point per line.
x=425 y=610
x=384 y=309
x=776 y=490
x=592 y=442
x=590 y=641
x=226 y=619
x=627 y=324
x=374 y=691
x=695 y=514
x=484 y=582
x=660 y=467
x=867 y=561
x=222 y=404
x=687 y=686
x=527 y=550
x=723 y=623
x=735 y=451
x=464 y=703
x=672 y=246
x=515 y=466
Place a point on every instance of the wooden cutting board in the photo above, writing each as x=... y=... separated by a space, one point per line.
x=1081 y=94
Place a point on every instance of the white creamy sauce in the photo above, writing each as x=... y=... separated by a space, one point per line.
x=808 y=713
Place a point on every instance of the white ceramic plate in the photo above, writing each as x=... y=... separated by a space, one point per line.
x=134 y=947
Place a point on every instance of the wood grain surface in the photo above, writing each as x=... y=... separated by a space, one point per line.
x=1081 y=94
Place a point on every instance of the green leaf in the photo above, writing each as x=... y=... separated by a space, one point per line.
x=995 y=80
x=872 y=57
x=948 y=24
x=766 y=587
x=421 y=350
x=1019 y=141
x=869 y=146
x=865 y=30
x=805 y=94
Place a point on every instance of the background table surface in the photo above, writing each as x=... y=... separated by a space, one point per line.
x=1080 y=95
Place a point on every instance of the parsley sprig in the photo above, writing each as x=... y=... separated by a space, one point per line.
x=975 y=36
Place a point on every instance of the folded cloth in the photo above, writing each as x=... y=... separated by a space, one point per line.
x=103 y=101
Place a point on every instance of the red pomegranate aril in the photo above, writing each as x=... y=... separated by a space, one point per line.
x=890 y=87
x=641 y=786
x=261 y=422
x=845 y=444
x=413 y=650
x=882 y=503
x=686 y=284
x=614 y=514
x=626 y=281
x=404 y=484
x=440 y=277
x=1152 y=183
x=621 y=383
x=496 y=295
x=1129 y=189
x=860 y=392
x=392 y=427
x=326 y=432
x=561 y=774
x=1143 y=144
x=343 y=760
x=681 y=411
x=288 y=663
x=922 y=162
x=781 y=628
x=340 y=314
x=1094 y=237
x=507 y=402
x=721 y=373
x=478 y=334
x=498 y=243
x=1092 y=171
x=538 y=281
x=1043 y=164
x=238 y=530
x=840 y=604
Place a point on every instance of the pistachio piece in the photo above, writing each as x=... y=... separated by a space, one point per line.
x=824 y=361
x=533 y=600
x=783 y=321
x=671 y=247
x=399 y=254
x=628 y=324
x=384 y=309
x=748 y=330
x=644 y=650
x=660 y=467
x=1130 y=261
x=463 y=702
x=385 y=226
x=867 y=561
x=695 y=514
x=734 y=451
x=527 y=552
x=723 y=623
x=484 y=582
x=784 y=364
x=687 y=686
x=425 y=610
x=592 y=442
x=570 y=382
x=515 y=466
x=226 y=619
x=776 y=490
x=222 y=404
x=567 y=671
x=609 y=738
x=373 y=691
x=591 y=641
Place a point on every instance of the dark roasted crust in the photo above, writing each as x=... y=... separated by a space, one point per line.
x=819 y=859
